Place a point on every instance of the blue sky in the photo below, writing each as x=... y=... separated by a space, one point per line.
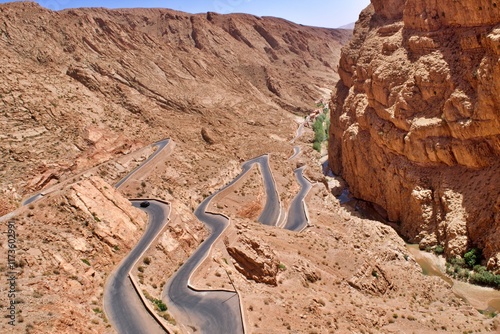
x=324 y=13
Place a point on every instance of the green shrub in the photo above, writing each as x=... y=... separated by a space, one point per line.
x=320 y=133
x=458 y=269
x=439 y=249
x=463 y=273
x=483 y=278
x=457 y=261
x=161 y=305
x=473 y=257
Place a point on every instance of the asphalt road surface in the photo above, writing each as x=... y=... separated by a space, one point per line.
x=208 y=311
x=272 y=210
x=296 y=152
x=32 y=199
x=297 y=219
x=161 y=145
x=122 y=304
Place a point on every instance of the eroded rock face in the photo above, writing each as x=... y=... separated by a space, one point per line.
x=114 y=219
x=416 y=119
x=69 y=242
x=255 y=260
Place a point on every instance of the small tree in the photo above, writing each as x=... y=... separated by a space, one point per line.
x=472 y=257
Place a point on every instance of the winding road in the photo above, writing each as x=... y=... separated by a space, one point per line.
x=296 y=152
x=217 y=311
x=272 y=210
x=297 y=214
x=122 y=304
x=160 y=146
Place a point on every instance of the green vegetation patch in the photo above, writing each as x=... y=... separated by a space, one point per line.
x=320 y=128
x=469 y=269
x=160 y=304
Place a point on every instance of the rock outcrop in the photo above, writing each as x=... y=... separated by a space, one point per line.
x=255 y=260
x=68 y=243
x=415 y=125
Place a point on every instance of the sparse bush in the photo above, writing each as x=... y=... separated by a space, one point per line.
x=160 y=304
x=473 y=257
x=439 y=249
x=482 y=276
x=170 y=319
x=460 y=269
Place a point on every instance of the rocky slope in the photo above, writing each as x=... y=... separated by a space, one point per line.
x=416 y=122
x=82 y=86
x=82 y=91
x=66 y=246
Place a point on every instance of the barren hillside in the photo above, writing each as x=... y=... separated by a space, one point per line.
x=82 y=86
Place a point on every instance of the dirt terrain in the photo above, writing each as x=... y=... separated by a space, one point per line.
x=83 y=95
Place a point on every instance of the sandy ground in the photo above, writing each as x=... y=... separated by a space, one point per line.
x=481 y=298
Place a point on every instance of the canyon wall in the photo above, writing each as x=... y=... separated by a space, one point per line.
x=415 y=126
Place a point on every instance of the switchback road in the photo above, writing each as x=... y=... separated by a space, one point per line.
x=297 y=217
x=216 y=311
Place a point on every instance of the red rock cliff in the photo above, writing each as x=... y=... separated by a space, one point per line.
x=416 y=120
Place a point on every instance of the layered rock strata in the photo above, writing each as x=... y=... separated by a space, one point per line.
x=415 y=126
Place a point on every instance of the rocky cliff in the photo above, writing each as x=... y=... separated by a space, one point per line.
x=416 y=121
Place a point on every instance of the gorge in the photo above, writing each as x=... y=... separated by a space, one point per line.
x=85 y=93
